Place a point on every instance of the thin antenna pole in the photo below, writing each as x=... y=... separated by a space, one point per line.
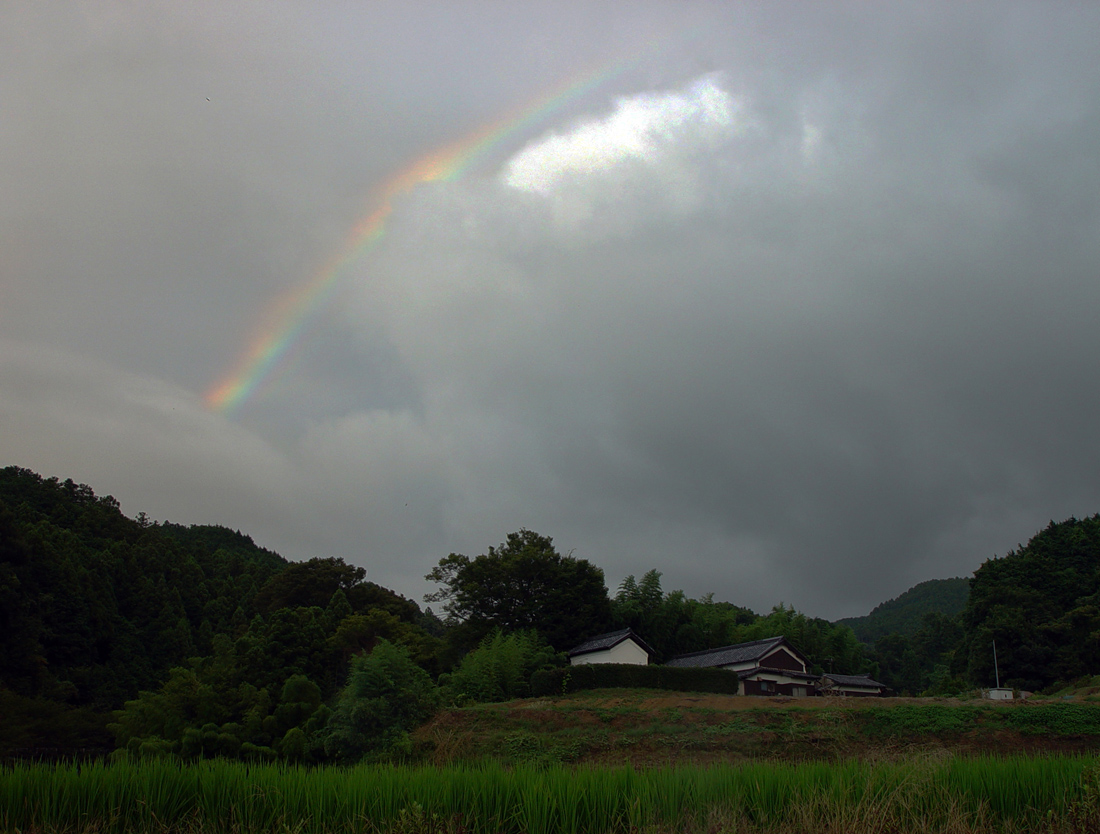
x=996 y=671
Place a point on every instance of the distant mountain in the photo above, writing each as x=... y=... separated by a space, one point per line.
x=903 y=614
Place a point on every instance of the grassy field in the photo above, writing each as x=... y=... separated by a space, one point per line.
x=647 y=728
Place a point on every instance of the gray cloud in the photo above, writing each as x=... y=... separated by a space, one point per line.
x=799 y=307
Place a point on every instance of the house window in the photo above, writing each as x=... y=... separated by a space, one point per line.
x=765 y=686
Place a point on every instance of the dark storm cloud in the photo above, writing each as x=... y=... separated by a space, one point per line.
x=799 y=307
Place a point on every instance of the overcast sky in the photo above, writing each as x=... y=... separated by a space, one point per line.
x=793 y=302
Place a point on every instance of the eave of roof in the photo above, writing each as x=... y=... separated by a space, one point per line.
x=605 y=642
x=737 y=653
x=854 y=680
x=772 y=671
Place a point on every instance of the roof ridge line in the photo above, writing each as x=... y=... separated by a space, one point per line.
x=731 y=646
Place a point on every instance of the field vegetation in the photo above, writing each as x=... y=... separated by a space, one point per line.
x=1020 y=794
x=648 y=728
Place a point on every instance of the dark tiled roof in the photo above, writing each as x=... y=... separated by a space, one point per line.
x=851 y=680
x=608 y=641
x=741 y=653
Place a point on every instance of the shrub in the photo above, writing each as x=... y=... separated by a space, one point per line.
x=918 y=720
x=611 y=675
x=1057 y=719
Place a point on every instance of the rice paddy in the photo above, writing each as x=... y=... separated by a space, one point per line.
x=949 y=794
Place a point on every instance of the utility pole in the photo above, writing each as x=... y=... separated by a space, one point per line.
x=996 y=671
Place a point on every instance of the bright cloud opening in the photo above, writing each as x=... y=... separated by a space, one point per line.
x=644 y=127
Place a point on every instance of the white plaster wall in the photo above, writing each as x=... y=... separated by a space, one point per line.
x=739 y=667
x=626 y=652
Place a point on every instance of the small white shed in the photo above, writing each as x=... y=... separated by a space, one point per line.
x=623 y=646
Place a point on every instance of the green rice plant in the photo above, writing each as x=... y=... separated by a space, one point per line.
x=218 y=797
x=1019 y=787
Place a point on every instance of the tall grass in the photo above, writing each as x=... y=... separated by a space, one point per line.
x=1023 y=794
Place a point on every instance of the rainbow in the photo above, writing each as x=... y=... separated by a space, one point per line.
x=285 y=320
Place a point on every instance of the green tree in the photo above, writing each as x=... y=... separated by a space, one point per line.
x=359 y=633
x=898 y=664
x=317 y=581
x=306 y=584
x=523 y=584
x=387 y=696
x=500 y=668
x=22 y=661
x=653 y=615
x=1041 y=604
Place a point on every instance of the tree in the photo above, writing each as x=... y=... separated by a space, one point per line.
x=387 y=696
x=664 y=621
x=523 y=584
x=317 y=581
x=22 y=665
x=1041 y=604
x=898 y=664
x=304 y=584
x=500 y=668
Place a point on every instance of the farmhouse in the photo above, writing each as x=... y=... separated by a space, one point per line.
x=852 y=685
x=764 y=667
x=623 y=646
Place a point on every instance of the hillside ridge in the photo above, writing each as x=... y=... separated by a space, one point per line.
x=904 y=614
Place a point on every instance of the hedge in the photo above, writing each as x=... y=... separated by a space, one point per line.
x=625 y=675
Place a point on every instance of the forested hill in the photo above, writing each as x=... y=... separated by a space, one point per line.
x=905 y=613
x=1041 y=604
x=95 y=607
